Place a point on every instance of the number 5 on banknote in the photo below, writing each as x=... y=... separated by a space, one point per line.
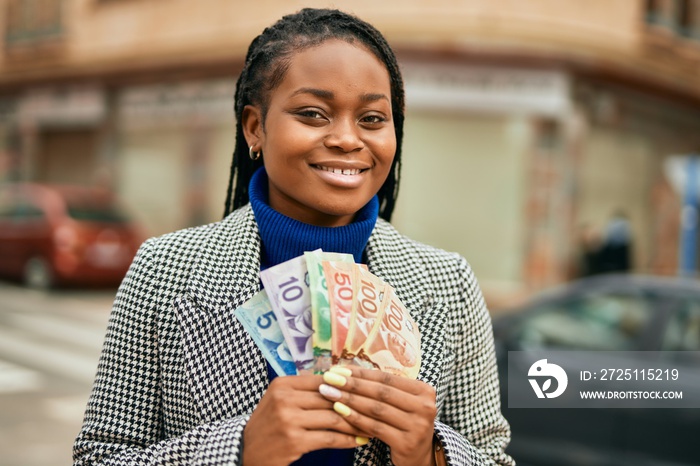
x=260 y=322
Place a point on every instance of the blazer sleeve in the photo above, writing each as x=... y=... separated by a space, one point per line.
x=123 y=423
x=471 y=427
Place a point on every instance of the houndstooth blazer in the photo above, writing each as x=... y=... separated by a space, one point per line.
x=179 y=376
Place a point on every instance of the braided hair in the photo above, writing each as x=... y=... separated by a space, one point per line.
x=266 y=63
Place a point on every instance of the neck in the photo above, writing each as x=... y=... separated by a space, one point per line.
x=284 y=238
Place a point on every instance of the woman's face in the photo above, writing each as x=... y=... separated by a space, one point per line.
x=328 y=140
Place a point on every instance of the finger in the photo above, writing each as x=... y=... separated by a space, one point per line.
x=294 y=399
x=385 y=388
x=405 y=435
x=414 y=387
x=384 y=431
x=343 y=401
x=367 y=388
x=327 y=419
x=302 y=393
x=374 y=410
x=320 y=439
x=298 y=382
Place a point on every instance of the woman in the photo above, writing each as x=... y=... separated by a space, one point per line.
x=319 y=107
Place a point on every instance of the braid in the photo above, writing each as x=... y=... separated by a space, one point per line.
x=265 y=66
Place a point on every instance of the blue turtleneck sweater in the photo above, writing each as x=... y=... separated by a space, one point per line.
x=284 y=238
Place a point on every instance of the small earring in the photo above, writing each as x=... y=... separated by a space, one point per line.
x=254 y=155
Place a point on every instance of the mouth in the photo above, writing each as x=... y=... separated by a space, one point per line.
x=341 y=171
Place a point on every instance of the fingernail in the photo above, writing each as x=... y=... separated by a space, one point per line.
x=334 y=379
x=329 y=392
x=340 y=408
x=344 y=371
x=361 y=440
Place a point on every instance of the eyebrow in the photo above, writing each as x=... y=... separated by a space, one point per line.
x=373 y=97
x=328 y=95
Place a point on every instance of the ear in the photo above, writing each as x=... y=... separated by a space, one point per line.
x=251 y=121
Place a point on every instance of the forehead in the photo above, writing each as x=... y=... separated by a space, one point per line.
x=334 y=63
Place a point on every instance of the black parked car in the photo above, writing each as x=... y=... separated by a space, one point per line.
x=607 y=313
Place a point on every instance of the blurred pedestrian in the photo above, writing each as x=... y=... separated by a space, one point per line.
x=590 y=244
x=616 y=250
x=319 y=117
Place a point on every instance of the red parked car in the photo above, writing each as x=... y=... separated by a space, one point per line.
x=64 y=235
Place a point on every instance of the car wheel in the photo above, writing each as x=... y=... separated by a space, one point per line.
x=37 y=274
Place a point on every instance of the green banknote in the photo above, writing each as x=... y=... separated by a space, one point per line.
x=320 y=306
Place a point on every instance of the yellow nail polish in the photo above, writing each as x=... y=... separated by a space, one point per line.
x=361 y=440
x=331 y=378
x=344 y=371
x=340 y=408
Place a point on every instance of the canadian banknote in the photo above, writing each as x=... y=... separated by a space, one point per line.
x=394 y=344
x=339 y=277
x=320 y=305
x=259 y=320
x=370 y=296
x=287 y=285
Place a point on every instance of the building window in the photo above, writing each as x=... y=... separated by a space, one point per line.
x=689 y=19
x=661 y=13
x=681 y=17
x=33 y=20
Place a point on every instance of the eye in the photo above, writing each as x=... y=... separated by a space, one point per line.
x=373 y=119
x=311 y=114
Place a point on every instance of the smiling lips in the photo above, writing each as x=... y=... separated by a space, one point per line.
x=340 y=171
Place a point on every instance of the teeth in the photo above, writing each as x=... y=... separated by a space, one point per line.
x=338 y=171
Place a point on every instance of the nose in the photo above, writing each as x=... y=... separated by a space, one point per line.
x=344 y=134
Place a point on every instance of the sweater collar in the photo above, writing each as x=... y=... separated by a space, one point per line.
x=284 y=238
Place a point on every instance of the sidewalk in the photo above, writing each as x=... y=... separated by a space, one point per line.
x=38 y=426
x=49 y=346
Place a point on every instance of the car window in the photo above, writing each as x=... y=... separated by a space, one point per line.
x=594 y=322
x=96 y=213
x=7 y=211
x=18 y=208
x=683 y=330
x=26 y=211
x=8 y=204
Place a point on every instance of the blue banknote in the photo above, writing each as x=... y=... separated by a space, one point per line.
x=259 y=320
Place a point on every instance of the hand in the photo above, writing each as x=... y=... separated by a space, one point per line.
x=398 y=411
x=291 y=419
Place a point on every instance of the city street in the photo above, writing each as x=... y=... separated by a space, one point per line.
x=49 y=348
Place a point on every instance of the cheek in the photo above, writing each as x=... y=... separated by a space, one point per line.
x=283 y=140
x=387 y=160
x=387 y=148
x=281 y=154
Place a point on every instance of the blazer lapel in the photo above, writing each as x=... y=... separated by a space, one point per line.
x=400 y=266
x=228 y=266
x=227 y=372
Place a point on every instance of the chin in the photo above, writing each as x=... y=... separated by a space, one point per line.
x=341 y=212
x=341 y=208
x=338 y=216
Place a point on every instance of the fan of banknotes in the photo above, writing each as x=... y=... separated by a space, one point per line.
x=321 y=309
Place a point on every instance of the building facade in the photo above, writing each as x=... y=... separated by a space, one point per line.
x=528 y=124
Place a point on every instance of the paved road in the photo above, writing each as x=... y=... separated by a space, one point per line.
x=49 y=347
